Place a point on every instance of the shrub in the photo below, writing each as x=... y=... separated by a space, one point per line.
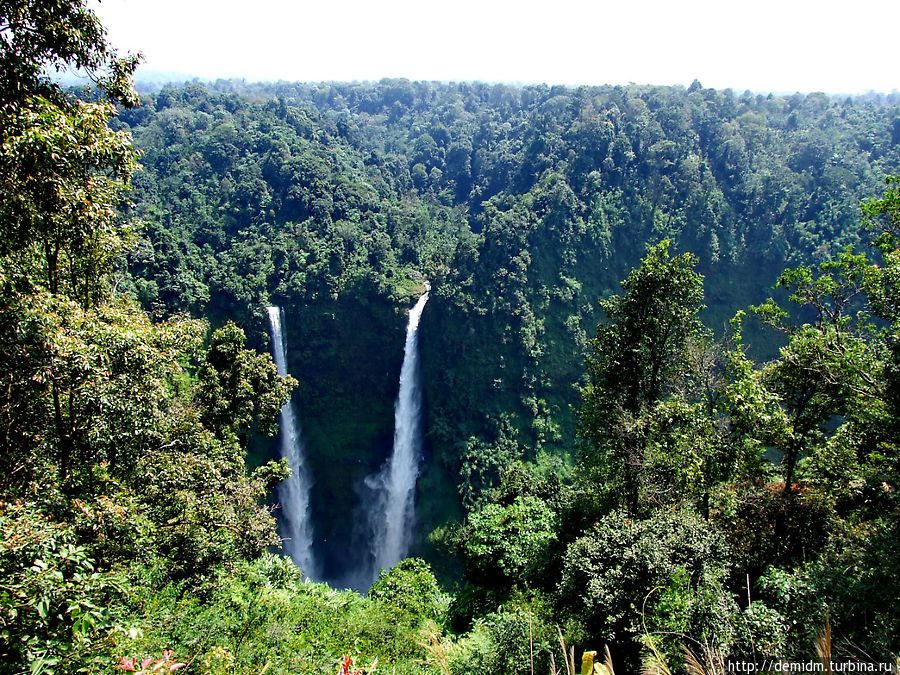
x=410 y=587
x=611 y=571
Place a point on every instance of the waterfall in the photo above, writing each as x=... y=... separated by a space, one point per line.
x=393 y=515
x=293 y=494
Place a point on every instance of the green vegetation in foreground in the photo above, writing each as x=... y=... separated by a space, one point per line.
x=739 y=510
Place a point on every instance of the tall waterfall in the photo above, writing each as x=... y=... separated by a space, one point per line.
x=393 y=515
x=293 y=494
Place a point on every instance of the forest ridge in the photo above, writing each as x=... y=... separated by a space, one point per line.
x=628 y=442
x=524 y=206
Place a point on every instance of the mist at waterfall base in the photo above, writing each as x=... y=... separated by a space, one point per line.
x=294 y=523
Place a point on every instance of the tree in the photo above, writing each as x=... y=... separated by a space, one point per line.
x=639 y=354
x=62 y=169
x=882 y=283
x=411 y=588
x=616 y=575
x=112 y=457
x=828 y=403
x=62 y=174
x=239 y=390
x=825 y=364
x=55 y=34
x=504 y=545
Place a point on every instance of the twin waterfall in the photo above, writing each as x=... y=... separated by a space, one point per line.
x=390 y=514
x=293 y=493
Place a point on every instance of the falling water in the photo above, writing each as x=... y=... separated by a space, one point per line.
x=392 y=518
x=293 y=493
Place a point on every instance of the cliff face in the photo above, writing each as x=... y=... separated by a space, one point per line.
x=347 y=356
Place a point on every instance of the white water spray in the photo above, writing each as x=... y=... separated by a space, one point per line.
x=394 y=512
x=293 y=493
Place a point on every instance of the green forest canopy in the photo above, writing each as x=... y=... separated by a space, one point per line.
x=637 y=488
x=523 y=206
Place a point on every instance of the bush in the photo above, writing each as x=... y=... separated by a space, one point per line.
x=514 y=641
x=610 y=575
x=52 y=599
x=410 y=587
x=505 y=545
x=262 y=615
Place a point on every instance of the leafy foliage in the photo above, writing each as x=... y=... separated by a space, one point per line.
x=238 y=390
x=411 y=587
x=611 y=573
x=509 y=544
x=637 y=358
x=130 y=523
x=108 y=467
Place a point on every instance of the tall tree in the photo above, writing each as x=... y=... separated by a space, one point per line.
x=110 y=458
x=63 y=173
x=639 y=354
x=62 y=169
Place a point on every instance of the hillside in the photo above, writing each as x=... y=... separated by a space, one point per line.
x=523 y=206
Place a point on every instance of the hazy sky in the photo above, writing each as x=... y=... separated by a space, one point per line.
x=762 y=45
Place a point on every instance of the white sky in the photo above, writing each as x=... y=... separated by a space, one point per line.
x=762 y=45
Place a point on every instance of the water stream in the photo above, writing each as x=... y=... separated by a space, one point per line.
x=393 y=513
x=294 y=524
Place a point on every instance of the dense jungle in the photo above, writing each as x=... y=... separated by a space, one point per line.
x=660 y=370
